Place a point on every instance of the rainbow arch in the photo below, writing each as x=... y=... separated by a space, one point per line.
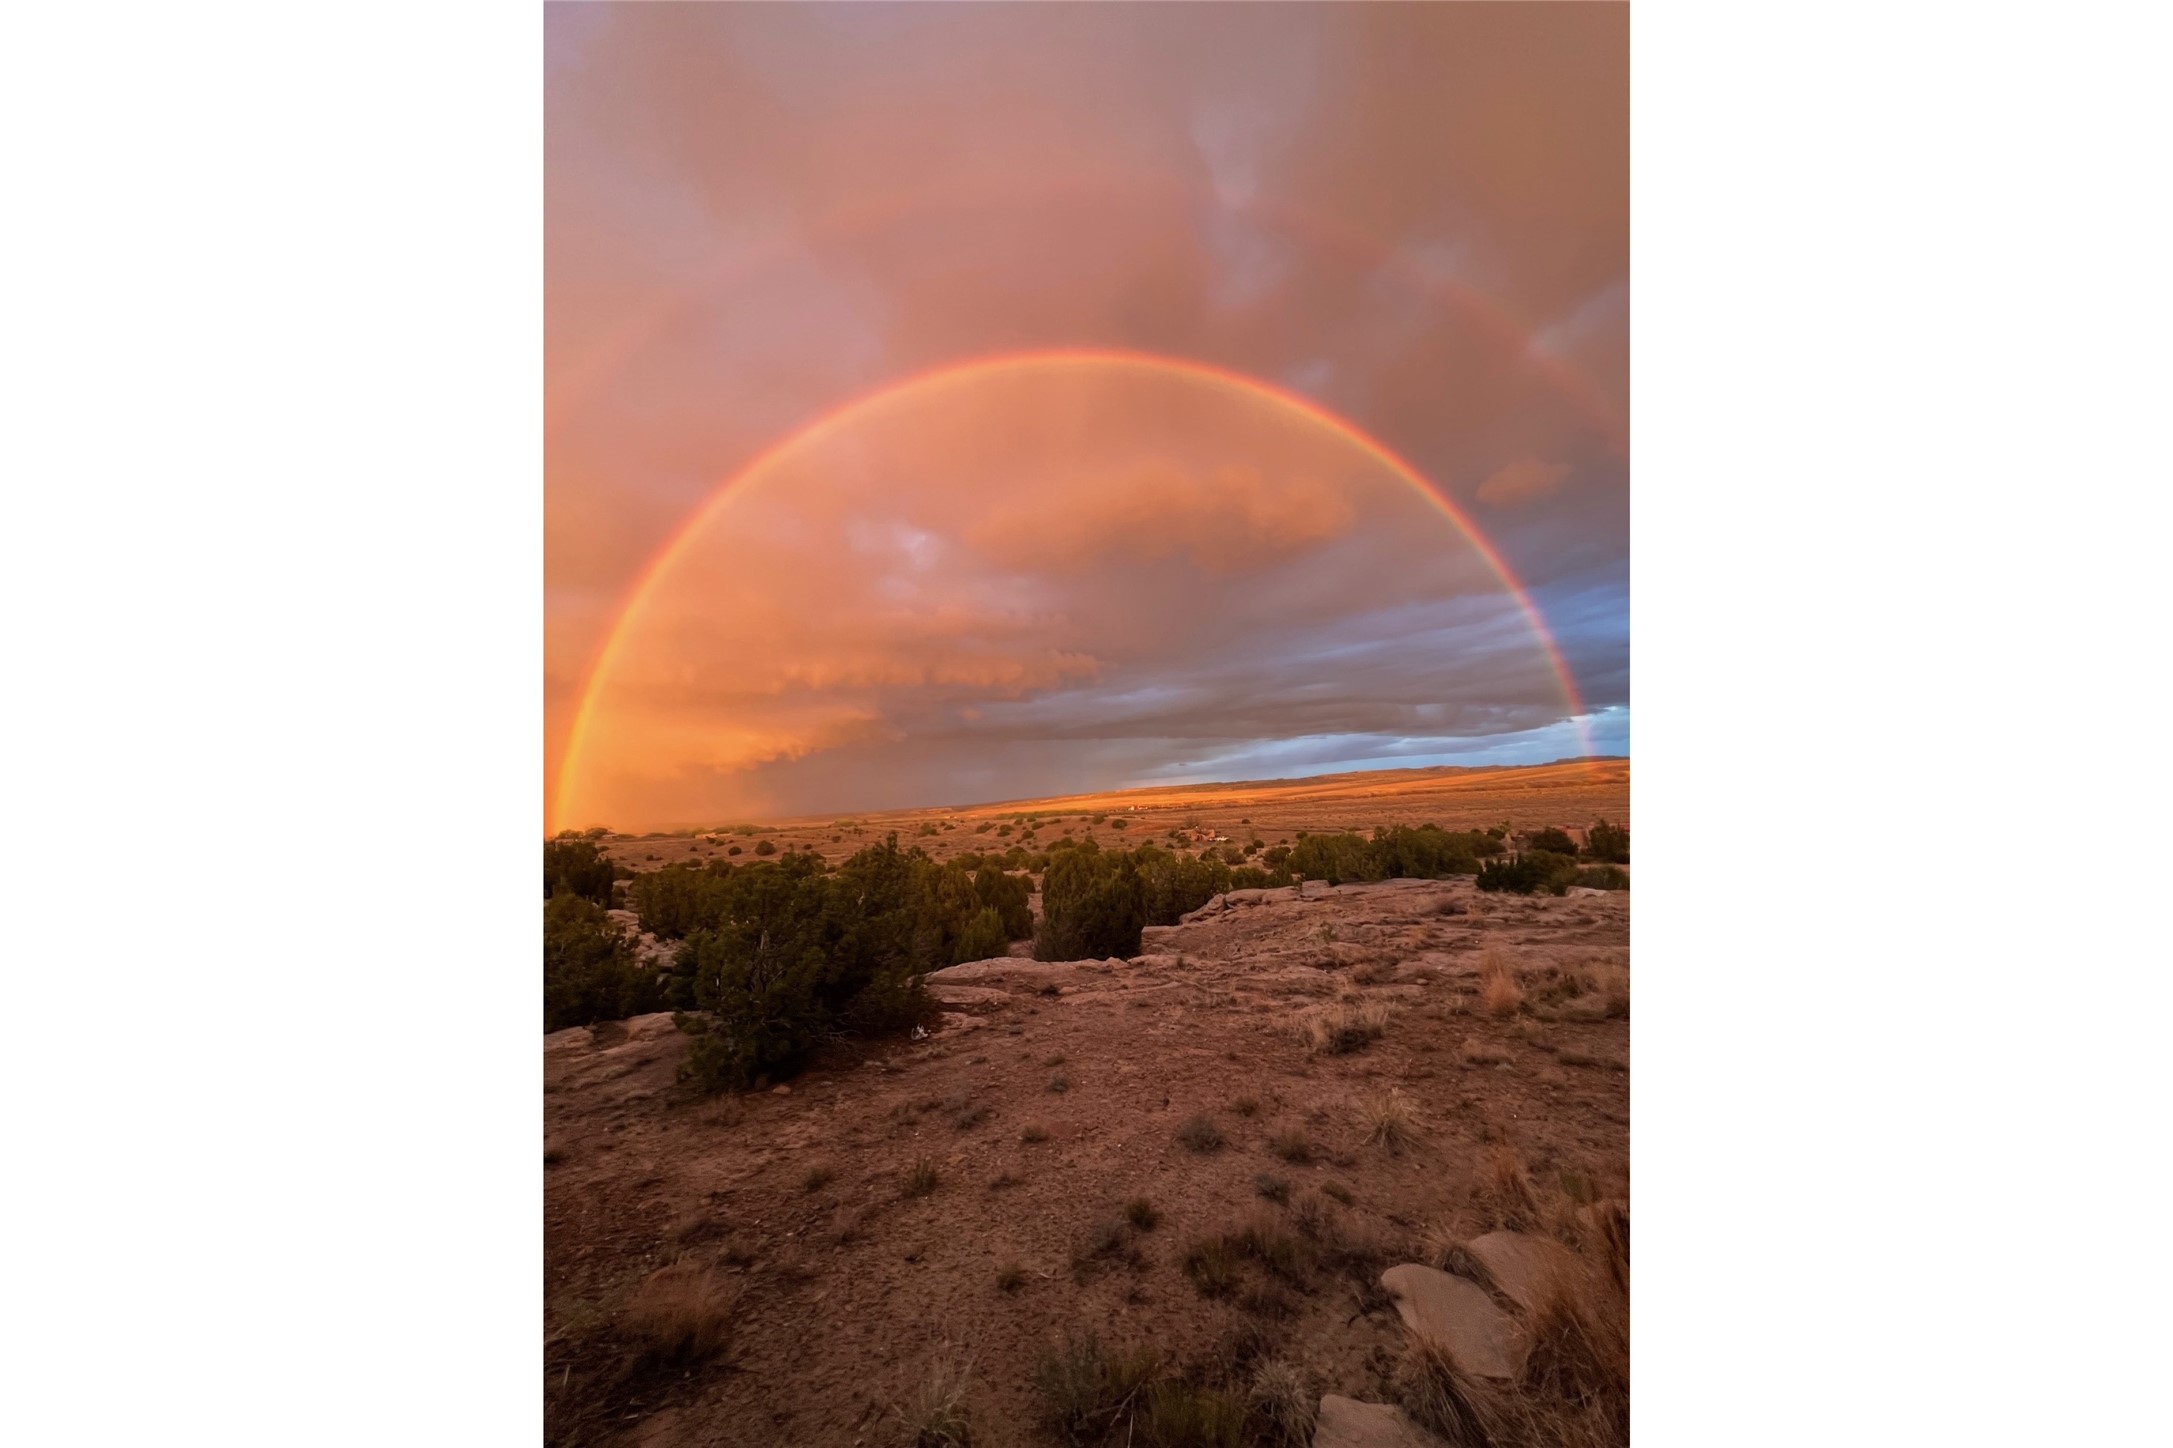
x=922 y=384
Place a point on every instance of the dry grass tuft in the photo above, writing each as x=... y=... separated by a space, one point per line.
x=1273 y=1187
x=1034 y=1133
x=1389 y=1123
x=1483 y=1053
x=1499 y=992
x=1612 y=983
x=1444 y=1399
x=1105 y=1243
x=1212 y=1266
x=935 y=1415
x=1292 y=1146
x=1084 y=1389
x=1283 y=1395
x=683 y=1312
x=1262 y=1238
x=1310 y=1216
x=1345 y=1026
x=1440 y=1244
x=1604 y=1237
x=1010 y=1277
x=1142 y=1214
x=818 y=1177
x=921 y=1180
x=1201 y=1135
x=1504 y=1191
x=1246 y=1106
x=1179 y=1415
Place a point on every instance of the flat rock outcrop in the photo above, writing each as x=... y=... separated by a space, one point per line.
x=1527 y=1269
x=949 y=994
x=1459 y=1315
x=1349 y=1423
x=1013 y=970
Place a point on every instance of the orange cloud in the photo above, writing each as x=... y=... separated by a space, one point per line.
x=1229 y=520
x=1525 y=481
x=756 y=213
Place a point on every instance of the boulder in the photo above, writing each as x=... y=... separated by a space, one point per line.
x=1459 y=1315
x=1211 y=909
x=968 y=995
x=573 y=1038
x=1526 y=1268
x=1348 y=1423
x=1013 y=970
x=651 y=1027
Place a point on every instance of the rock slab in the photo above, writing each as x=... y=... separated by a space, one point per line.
x=1527 y=1269
x=1348 y=1423
x=1457 y=1314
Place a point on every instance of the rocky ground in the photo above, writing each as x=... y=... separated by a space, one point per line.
x=954 y=1206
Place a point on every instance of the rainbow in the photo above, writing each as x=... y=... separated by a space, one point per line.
x=959 y=374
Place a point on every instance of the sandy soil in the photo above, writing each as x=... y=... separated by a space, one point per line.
x=1529 y=798
x=849 y=1288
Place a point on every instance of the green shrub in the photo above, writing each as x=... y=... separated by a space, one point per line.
x=1006 y=894
x=765 y=847
x=577 y=867
x=1513 y=874
x=1529 y=873
x=984 y=937
x=783 y=954
x=1092 y=905
x=1172 y=884
x=590 y=972
x=1425 y=853
x=1604 y=877
x=1608 y=842
x=1553 y=841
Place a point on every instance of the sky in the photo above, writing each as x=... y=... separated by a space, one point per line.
x=957 y=403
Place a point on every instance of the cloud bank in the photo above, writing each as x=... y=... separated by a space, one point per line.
x=1415 y=216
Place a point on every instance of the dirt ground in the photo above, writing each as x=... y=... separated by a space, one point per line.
x=1053 y=1094
x=1531 y=797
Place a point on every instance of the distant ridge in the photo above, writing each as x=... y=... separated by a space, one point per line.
x=1356 y=783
